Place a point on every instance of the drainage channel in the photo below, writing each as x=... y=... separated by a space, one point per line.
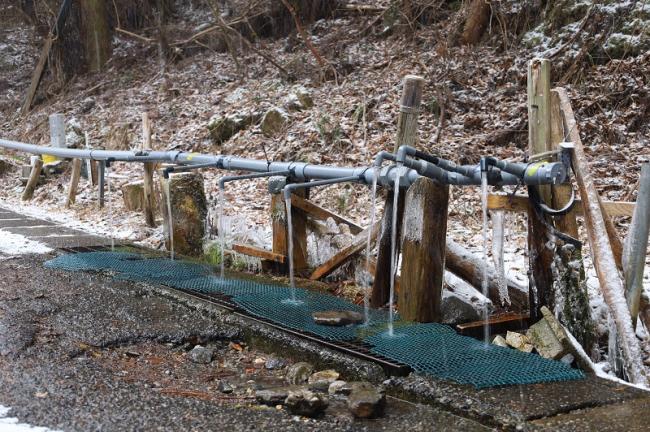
x=356 y=349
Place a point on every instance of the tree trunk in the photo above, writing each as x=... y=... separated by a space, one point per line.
x=477 y=20
x=96 y=33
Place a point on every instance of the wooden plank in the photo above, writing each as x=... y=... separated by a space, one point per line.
x=74 y=182
x=519 y=203
x=38 y=74
x=406 y=135
x=28 y=193
x=423 y=251
x=259 y=253
x=280 y=245
x=345 y=254
x=102 y=182
x=497 y=324
x=611 y=285
x=149 y=168
x=540 y=284
x=320 y=213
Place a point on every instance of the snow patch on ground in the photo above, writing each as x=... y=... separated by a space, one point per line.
x=16 y=244
x=10 y=424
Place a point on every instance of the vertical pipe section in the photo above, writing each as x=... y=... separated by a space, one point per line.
x=636 y=245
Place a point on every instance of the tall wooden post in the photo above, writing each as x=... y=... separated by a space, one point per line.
x=96 y=33
x=424 y=233
x=149 y=168
x=406 y=135
x=539 y=139
x=636 y=245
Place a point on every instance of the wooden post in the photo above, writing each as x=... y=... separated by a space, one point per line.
x=149 y=168
x=74 y=182
x=93 y=174
x=611 y=284
x=38 y=74
x=101 y=173
x=406 y=135
x=539 y=134
x=34 y=176
x=281 y=234
x=424 y=233
x=636 y=245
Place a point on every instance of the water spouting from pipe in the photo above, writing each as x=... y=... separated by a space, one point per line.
x=373 y=216
x=393 y=256
x=111 y=221
x=484 y=281
x=170 y=224
x=221 y=227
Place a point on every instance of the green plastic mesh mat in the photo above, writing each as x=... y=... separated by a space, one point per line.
x=433 y=349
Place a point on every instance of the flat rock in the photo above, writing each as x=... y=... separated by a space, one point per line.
x=225 y=387
x=274 y=121
x=548 y=336
x=274 y=396
x=275 y=363
x=299 y=373
x=337 y=318
x=306 y=403
x=519 y=341
x=366 y=400
x=339 y=388
x=320 y=381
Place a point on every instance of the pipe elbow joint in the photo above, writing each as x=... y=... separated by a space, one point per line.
x=402 y=152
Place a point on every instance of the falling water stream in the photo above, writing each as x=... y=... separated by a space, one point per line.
x=484 y=282
x=169 y=218
x=393 y=255
x=111 y=221
x=221 y=227
x=293 y=300
x=373 y=216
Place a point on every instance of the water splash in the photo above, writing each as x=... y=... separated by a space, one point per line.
x=393 y=255
x=111 y=220
x=221 y=227
x=484 y=281
x=373 y=216
x=170 y=224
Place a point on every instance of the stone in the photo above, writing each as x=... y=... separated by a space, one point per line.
x=320 y=381
x=339 y=388
x=7 y=166
x=275 y=363
x=259 y=362
x=519 y=341
x=55 y=168
x=201 y=354
x=189 y=212
x=222 y=128
x=274 y=121
x=299 y=373
x=337 y=318
x=225 y=387
x=300 y=99
x=274 y=396
x=461 y=302
x=548 y=336
x=306 y=403
x=133 y=196
x=366 y=400
x=500 y=341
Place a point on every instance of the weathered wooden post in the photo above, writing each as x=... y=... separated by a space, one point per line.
x=101 y=173
x=280 y=231
x=539 y=138
x=406 y=135
x=74 y=182
x=149 y=168
x=34 y=176
x=96 y=33
x=424 y=234
x=636 y=245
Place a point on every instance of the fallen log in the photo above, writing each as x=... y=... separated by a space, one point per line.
x=611 y=284
x=469 y=266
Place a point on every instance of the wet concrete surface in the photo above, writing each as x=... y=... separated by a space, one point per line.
x=82 y=351
x=85 y=352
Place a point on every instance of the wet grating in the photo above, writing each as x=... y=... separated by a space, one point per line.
x=432 y=349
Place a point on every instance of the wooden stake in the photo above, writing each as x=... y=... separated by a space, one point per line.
x=320 y=213
x=424 y=234
x=74 y=182
x=149 y=168
x=38 y=74
x=34 y=176
x=539 y=137
x=611 y=284
x=636 y=245
x=406 y=135
x=102 y=180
